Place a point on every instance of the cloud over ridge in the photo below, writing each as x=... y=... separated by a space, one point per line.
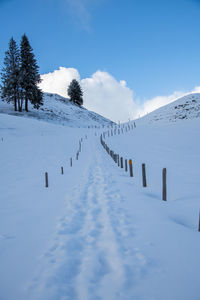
x=105 y=95
x=102 y=92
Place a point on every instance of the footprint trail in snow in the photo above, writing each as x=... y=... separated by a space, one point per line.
x=92 y=255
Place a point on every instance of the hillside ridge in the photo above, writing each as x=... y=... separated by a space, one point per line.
x=59 y=110
x=184 y=108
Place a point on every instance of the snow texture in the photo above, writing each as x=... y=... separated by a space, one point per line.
x=59 y=110
x=187 y=107
x=96 y=233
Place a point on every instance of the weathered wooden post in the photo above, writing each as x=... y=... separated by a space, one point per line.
x=199 y=221
x=126 y=165
x=164 y=177
x=122 y=162
x=46 y=180
x=62 y=170
x=77 y=155
x=71 y=162
x=134 y=125
x=144 y=180
x=130 y=167
x=118 y=159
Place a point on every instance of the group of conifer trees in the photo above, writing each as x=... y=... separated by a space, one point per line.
x=20 y=76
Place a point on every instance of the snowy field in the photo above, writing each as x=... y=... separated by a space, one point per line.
x=96 y=233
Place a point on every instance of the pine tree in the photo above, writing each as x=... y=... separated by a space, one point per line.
x=75 y=93
x=10 y=89
x=37 y=98
x=29 y=75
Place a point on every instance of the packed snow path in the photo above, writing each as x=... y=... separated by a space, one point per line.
x=115 y=241
x=91 y=250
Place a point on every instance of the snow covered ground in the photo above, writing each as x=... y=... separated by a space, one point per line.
x=185 y=108
x=96 y=233
x=59 y=110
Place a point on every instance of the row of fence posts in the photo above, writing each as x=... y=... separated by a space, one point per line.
x=120 y=129
x=123 y=163
x=62 y=168
x=99 y=127
x=119 y=160
x=114 y=127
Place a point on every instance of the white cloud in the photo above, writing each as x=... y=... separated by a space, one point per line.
x=105 y=95
x=102 y=92
x=58 y=81
x=159 y=101
x=110 y=98
x=156 y=102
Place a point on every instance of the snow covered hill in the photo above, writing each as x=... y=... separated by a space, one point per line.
x=60 y=110
x=185 y=108
x=95 y=232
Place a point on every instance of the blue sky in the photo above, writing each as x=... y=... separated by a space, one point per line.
x=153 y=45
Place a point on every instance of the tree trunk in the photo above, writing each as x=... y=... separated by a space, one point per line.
x=20 y=102
x=15 y=101
x=26 y=104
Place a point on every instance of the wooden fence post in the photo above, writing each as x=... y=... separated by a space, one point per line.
x=164 y=177
x=122 y=162
x=62 y=170
x=126 y=165
x=131 y=167
x=199 y=221
x=46 y=180
x=118 y=159
x=144 y=180
x=71 y=161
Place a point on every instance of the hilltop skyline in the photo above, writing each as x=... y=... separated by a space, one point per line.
x=151 y=48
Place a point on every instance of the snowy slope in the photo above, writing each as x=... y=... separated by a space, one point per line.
x=96 y=233
x=60 y=110
x=185 y=108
